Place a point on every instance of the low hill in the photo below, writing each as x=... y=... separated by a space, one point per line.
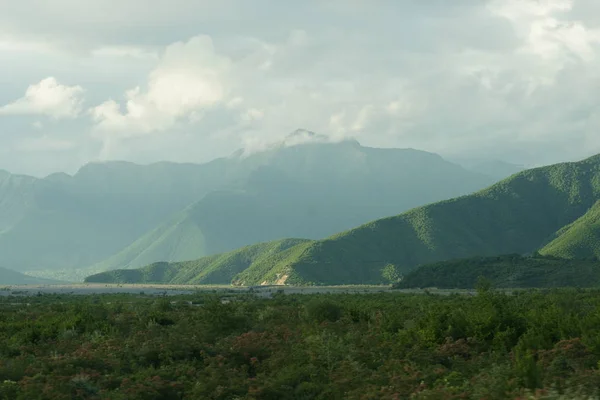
x=580 y=240
x=9 y=277
x=509 y=271
x=217 y=269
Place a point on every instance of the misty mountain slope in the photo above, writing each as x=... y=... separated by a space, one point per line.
x=216 y=269
x=75 y=221
x=10 y=277
x=177 y=239
x=494 y=168
x=16 y=196
x=309 y=190
x=579 y=240
x=517 y=215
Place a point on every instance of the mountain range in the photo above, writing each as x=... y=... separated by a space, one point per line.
x=122 y=215
x=552 y=210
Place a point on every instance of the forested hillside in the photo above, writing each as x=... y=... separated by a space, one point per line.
x=310 y=191
x=518 y=215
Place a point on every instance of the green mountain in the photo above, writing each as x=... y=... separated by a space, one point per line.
x=517 y=215
x=10 y=277
x=520 y=215
x=509 y=271
x=580 y=239
x=309 y=190
x=216 y=269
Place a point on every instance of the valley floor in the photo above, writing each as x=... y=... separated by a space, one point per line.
x=172 y=290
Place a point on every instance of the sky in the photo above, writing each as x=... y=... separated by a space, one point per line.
x=192 y=80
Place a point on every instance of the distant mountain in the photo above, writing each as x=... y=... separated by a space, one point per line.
x=552 y=208
x=16 y=196
x=73 y=221
x=216 y=269
x=496 y=169
x=310 y=190
x=509 y=271
x=9 y=277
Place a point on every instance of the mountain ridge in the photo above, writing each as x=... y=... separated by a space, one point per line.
x=311 y=190
x=520 y=214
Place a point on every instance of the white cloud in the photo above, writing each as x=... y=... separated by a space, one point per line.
x=189 y=78
x=252 y=114
x=544 y=30
x=235 y=102
x=48 y=97
x=15 y=45
x=525 y=87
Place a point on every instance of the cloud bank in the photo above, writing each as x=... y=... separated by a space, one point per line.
x=49 y=98
x=517 y=80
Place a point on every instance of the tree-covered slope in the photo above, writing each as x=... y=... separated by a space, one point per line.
x=508 y=271
x=310 y=190
x=517 y=215
x=579 y=240
x=216 y=269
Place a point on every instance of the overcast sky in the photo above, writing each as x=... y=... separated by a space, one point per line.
x=191 y=80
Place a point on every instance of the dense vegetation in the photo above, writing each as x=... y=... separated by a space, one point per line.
x=508 y=271
x=392 y=346
x=552 y=206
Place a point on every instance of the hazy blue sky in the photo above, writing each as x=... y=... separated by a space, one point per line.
x=189 y=80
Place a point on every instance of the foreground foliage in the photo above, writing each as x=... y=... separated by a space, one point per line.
x=507 y=271
x=371 y=346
